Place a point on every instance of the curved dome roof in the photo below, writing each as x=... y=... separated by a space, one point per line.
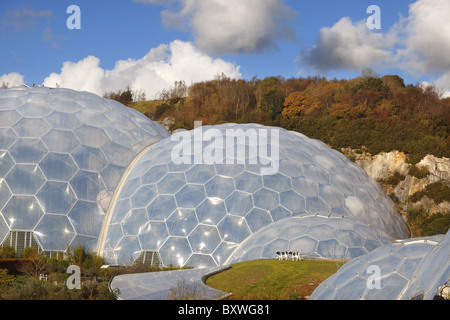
x=312 y=236
x=194 y=199
x=407 y=269
x=62 y=154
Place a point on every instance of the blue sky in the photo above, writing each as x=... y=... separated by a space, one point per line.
x=192 y=40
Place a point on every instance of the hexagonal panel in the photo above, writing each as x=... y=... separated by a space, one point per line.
x=175 y=251
x=239 y=203
x=6 y=163
x=171 y=183
x=266 y=199
x=7 y=138
x=153 y=234
x=91 y=159
x=248 y=182
x=87 y=218
x=257 y=219
x=219 y=187
x=54 y=232
x=200 y=174
x=56 y=197
x=58 y=167
x=233 y=229
x=91 y=136
x=28 y=151
x=161 y=208
x=204 y=239
x=22 y=212
x=211 y=211
x=25 y=179
x=190 y=196
x=63 y=120
x=182 y=222
x=61 y=141
x=31 y=128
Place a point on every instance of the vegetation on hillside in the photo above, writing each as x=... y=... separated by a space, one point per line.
x=380 y=113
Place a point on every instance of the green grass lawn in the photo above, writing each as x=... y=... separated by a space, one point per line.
x=273 y=279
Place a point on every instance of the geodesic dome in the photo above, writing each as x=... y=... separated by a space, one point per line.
x=312 y=236
x=62 y=155
x=407 y=269
x=197 y=212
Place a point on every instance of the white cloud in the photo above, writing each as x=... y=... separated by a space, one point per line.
x=348 y=45
x=231 y=26
x=426 y=37
x=12 y=79
x=157 y=70
x=418 y=44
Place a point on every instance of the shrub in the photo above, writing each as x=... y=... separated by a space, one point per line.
x=7 y=252
x=418 y=172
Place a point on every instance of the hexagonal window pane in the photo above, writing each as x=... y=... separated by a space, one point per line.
x=211 y=211
x=28 y=150
x=190 y=196
x=92 y=118
x=200 y=173
x=88 y=158
x=91 y=136
x=62 y=120
x=304 y=245
x=220 y=187
x=31 y=128
x=152 y=235
x=292 y=201
x=182 y=222
x=291 y=168
x=171 y=183
x=87 y=218
x=144 y=196
x=277 y=182
x=176 y=251
x=59 y=167
x=266 y=199
x=204 y=239
x=118 y=155
x=248 y=182
x=201 y=261
x=5 y=193
x=239 y=203
x=133 y=222
x=87 y=185
x=8 y=118
x=6 y=163
x=22 y=212
x=316 y=174
x=161 y=208
x=54 y=232
x=233 y=229
x=257 y=219
x=56 y=197
x=331 y=196
x=279 y=213
x=7 y=138
x=61 y=141
x=33 y=110
x=317 y=206
x=25 y=179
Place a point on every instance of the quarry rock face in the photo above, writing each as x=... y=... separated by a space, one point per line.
x=385 y=164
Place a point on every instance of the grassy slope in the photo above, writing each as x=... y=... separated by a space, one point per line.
x=273 y=279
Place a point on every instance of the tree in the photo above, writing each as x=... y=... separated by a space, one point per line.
x=295 y=105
